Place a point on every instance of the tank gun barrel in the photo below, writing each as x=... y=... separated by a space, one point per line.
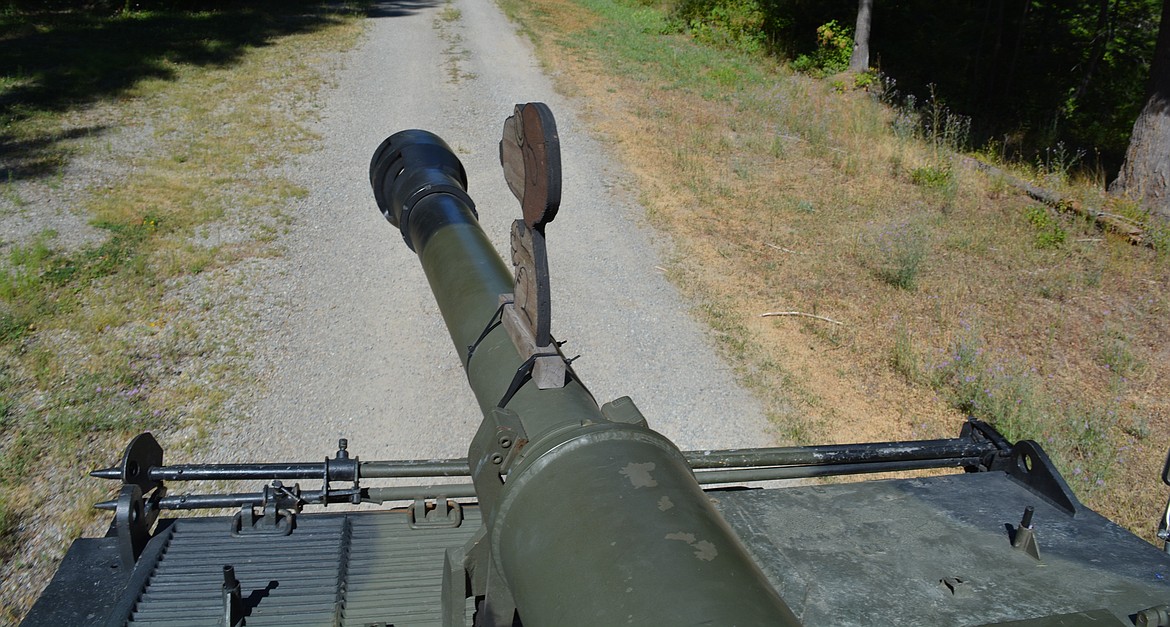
x=591 y=518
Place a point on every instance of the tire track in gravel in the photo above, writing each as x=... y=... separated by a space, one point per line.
x=356 y=348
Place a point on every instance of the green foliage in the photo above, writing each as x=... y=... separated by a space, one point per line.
x=990 y=390
x=938 y=181
x=1059 y=160
x=1084 y=443
x=736 y=24
x=1058 y=71
x=622 y=43
x=58 y=54
x=834 y=47
x=900 y=250
x=866 y=80
x=1049 y=233
x=938 y=177
x=1158 y=235
x=1116 y=354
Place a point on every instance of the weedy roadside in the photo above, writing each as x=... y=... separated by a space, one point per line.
x=959 y=296
x=142 y=166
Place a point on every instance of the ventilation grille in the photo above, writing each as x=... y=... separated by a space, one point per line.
x=352 y=569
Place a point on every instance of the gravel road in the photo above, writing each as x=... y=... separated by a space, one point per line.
x=355 y=346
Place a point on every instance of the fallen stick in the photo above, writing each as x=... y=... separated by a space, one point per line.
x=783 y=249
x=770 y=314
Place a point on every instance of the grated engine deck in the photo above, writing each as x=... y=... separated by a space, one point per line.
x=348 y=569
x=923 y=551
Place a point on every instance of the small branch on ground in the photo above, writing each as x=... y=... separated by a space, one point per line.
x=783 y=249
x=770 y=314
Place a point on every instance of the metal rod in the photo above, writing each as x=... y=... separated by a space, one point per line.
x=838 y=453
x=409 y=493
x=234 y=499
x=738 y=475
x=194 y=472
x=465 y=490
x=415 y=468
x=832 y=454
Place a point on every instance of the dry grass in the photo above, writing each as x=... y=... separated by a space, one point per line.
x=780 y=192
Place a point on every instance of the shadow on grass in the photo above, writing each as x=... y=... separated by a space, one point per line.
x=54 y=60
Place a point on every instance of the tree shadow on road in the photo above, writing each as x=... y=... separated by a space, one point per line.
x=399 y=8
x=55 y=60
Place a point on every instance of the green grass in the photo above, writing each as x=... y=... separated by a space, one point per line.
x=1049 y=233
x=621 y=41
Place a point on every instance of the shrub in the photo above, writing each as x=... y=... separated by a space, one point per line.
x=901 y=250
x=1049 y=233
x=993 y=391
x=736 y=24
x=938 y=177
x=939 y=181
x=834 y=47
x=866 y=80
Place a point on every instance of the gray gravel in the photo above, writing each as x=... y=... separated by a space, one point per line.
x=353 y=345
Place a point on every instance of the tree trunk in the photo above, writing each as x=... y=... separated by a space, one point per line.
x=1146 y=171
x=859 y=61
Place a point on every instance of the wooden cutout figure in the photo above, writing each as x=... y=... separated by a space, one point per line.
x=531 y=158
x=530 y=152
x=532 y=300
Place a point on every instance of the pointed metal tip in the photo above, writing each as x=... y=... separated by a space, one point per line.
x=112 y=472
x=106 y=505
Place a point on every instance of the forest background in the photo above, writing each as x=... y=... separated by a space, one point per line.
x=1033 y=75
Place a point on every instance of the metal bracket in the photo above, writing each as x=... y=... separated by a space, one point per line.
x=496 y=446
x=142 y=454
x=272 y=522
x=510 y=438
x=440 y=514
x=133 y=518
x=342 y=465
x=979 y=431
x=1034 y=470
x=624 y=411
x=1024 y=538
x=456 y=588
x=279 y=508
x=233 y=601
